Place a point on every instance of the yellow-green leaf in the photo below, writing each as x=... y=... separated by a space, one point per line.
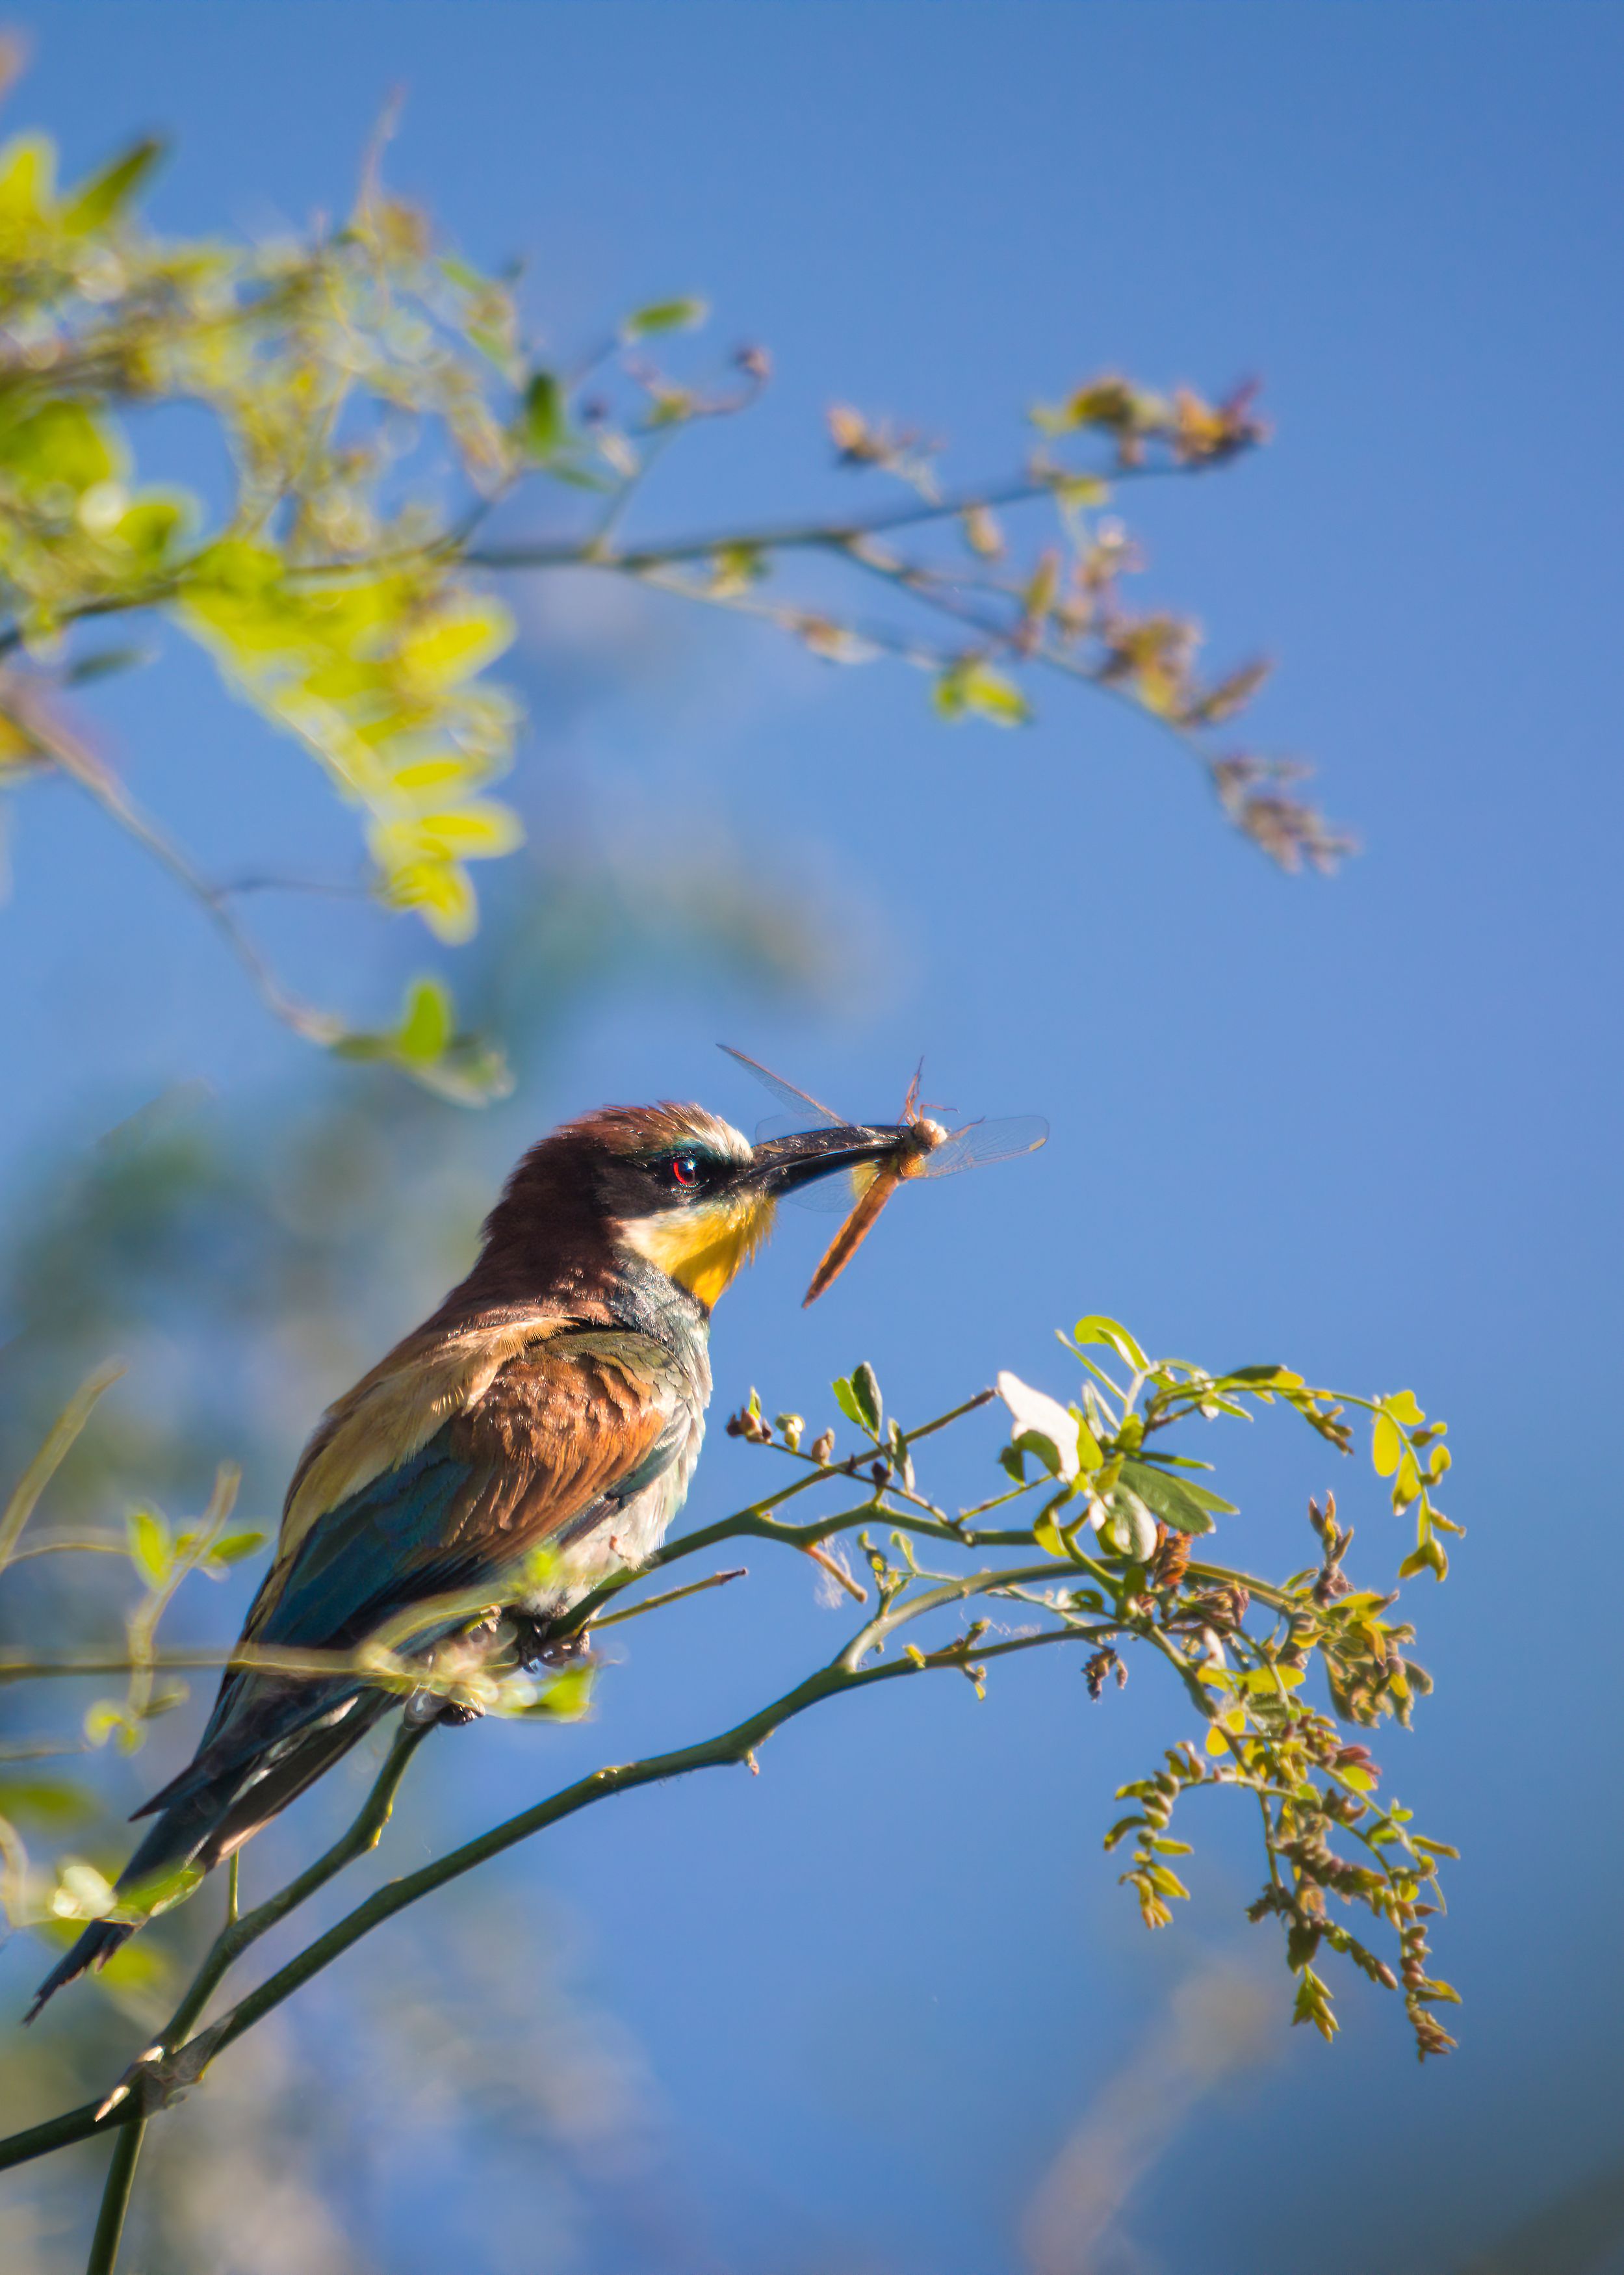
x=1096 y=1328
x=457 y=643
x=969 y=686
x=429 y=1021
x=665 y=316
x=27 y=178
x=544 y=427
x=481 y=831
x=100 y=199
x=151 y=1549
x=1046 y=1532
x=1387 y=1446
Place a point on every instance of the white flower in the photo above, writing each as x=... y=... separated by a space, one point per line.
x=1042 y=1426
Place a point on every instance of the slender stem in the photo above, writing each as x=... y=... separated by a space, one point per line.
x=233 y=1887
x=125 y=2107
x=45 y=1463
x=790 y=537
x=731 y=1747
x=362 y=1835
x=115 y=2200
x=239 y=1932
x=671 y=1596
x=82 y=767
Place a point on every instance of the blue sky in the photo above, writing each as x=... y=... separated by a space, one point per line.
x=1368 y=1125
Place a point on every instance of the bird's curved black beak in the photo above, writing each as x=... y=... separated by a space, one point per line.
x=779 y=1165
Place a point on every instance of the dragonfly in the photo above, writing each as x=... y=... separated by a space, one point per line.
x=923 y=1148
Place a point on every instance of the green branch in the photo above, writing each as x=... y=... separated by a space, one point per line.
x=169 y=2066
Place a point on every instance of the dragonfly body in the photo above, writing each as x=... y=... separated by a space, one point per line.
x=923 y=1148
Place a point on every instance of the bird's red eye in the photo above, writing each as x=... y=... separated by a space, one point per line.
x=685 y=1170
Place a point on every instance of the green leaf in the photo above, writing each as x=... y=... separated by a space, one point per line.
x=456 y=643
x=969 y=687
x=1132 y=1526
x=544 y=428
x=1089 y=1452
x=54 y=443
x=1269 y=1682
x=1096 y=1328
x=565 y=1699
x=234 y=1546
x=1186 y=1507
x=857 y=1396
x=665 y=316
x=428 y=1022
x=27 y=178
x=105 y=662
x=845 y=1398
x=151 y=1548
x=1429 y=1556
x=1046 y=1532
x=866 y=1390
x=1387 y=1446
x=1043 y=1449
x=160 y=1892
x=1313 y=2005
x=51 y=1801
x=1080 y=490
x=100 y=199
x=101 y=1719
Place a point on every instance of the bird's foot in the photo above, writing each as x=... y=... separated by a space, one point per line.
x=425 y=1707
x=537 y=1642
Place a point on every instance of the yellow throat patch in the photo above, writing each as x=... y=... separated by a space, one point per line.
x=703 y=1248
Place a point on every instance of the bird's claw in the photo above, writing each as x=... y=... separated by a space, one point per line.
x=537 y=1642
x=425 y=1707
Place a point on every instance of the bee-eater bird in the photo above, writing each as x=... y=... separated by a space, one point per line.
x=555 y=1401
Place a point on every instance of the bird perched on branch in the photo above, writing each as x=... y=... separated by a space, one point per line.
x=554 y=1404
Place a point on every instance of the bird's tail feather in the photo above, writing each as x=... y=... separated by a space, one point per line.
x=205 y=1824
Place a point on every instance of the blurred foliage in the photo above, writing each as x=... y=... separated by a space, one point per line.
x=244 y=1262
x=379 y=401
x=394 y=444
x=1108 y=1557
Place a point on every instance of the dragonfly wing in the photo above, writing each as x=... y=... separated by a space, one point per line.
x=834 y=1195
x=800 y=1102
x=981 y=1142
x=829 y=1196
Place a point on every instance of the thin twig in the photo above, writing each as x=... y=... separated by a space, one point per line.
x=794 y=536
x=46 y=1462
x=170 y=2062
x=671 y=1596
x=115 y=2200
x=75 y=760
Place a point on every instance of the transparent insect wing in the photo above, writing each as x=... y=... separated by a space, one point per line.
x=834 y=1195
x=979 y=1143
x=831 y=1196
x=799 y=1102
